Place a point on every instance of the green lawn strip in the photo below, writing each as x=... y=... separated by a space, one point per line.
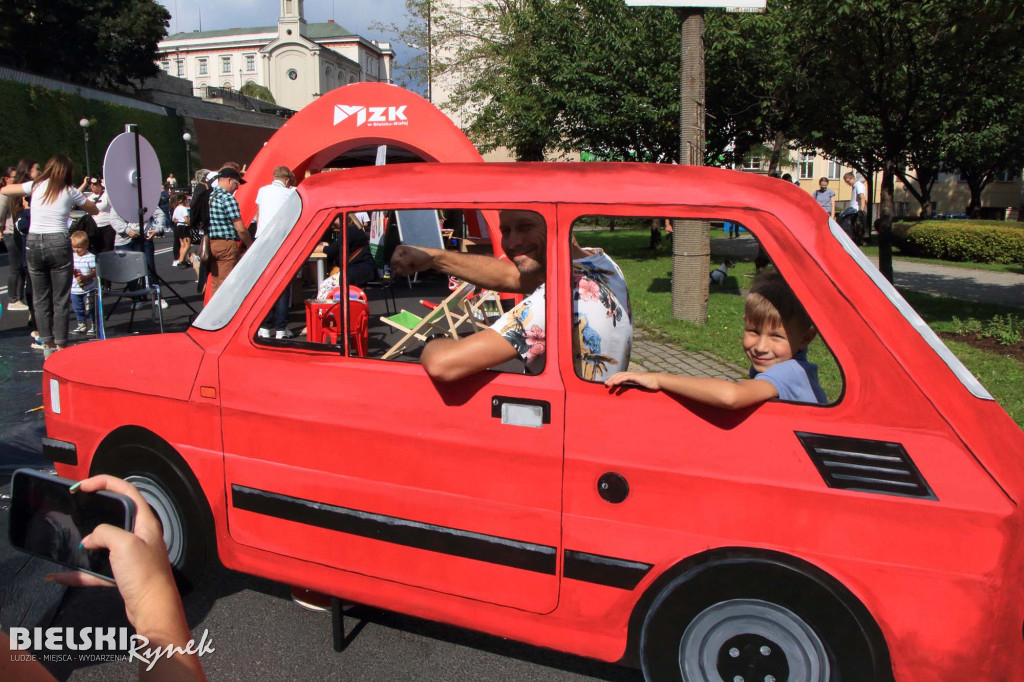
x=649 y=276
x=1015 y=269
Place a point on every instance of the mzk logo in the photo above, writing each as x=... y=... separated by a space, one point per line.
x=371 y=116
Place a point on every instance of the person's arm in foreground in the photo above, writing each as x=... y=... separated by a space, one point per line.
x=451 y=360
x=488 y=272
x=144 y=579
x=708 y=390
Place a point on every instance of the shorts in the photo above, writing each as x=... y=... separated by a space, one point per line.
x=181 y=231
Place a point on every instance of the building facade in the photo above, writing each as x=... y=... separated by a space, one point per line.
x=295 y=60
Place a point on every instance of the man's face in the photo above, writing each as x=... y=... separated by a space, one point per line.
x=229 y=185
x=96 y=187
x=524 y=238
x=848 y=181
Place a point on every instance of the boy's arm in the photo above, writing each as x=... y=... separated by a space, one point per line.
x=710 y=391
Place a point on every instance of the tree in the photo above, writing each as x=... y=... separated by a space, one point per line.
x=255 y=91
x=895 y=71
x=103 y=43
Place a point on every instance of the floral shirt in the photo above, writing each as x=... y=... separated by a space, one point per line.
x=602 y=333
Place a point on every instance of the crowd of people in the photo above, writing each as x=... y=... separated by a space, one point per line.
x=53 y=230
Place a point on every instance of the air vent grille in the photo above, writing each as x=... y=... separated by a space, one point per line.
x=871 y=466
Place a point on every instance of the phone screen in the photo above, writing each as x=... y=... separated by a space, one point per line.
x=49 y=521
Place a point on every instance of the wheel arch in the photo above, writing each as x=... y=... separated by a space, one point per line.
x=137 y=436
x=785 y=571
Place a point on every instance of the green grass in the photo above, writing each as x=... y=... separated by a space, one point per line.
x=649 y=274
x=1016 y=269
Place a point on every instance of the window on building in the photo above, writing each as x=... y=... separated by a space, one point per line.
x=165 y=65
x=202 y=67
x=962 y=177
x=752 y=163
x=835 y=170
x=181 y=67
x=806 y=165
x=225 y=64
x=250 y=62
x=1007 y=176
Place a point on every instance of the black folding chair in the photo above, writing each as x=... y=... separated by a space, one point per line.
x=129 y=268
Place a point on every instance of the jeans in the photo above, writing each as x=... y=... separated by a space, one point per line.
x=15 y=261
x=51 y=267
x=85 y=309
x=278 y=317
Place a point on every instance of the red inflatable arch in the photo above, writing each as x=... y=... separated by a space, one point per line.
x=350 y=117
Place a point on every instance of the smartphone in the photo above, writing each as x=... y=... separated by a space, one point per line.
x=48 y=521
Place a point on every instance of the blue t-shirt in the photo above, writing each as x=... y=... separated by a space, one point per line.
x=796 y=380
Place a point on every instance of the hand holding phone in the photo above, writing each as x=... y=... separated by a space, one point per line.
x=50 y=521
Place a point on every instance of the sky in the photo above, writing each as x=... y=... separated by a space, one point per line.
x=355 y=15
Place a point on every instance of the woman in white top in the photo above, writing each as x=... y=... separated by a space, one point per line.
x=50 y=263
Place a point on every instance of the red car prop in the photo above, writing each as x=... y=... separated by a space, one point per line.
x=875 y=538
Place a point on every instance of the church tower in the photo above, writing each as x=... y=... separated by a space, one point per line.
x=292 y=22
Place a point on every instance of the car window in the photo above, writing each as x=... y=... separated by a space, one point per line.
x=392 y=318
x=236 y=287
x=640 y=248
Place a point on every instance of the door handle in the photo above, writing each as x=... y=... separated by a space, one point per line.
x=521 y=411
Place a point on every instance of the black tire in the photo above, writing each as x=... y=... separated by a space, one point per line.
x=758 y=622
x=172 y=497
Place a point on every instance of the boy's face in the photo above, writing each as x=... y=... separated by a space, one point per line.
x=80 y=249
x=767 y=345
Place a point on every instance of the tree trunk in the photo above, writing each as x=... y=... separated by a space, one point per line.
x=976 y=186
x=887 y=210
x=691 y=241
x=775 y=160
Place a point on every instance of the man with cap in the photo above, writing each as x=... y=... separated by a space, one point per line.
x=224 y=226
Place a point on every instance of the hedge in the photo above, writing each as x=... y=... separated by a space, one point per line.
x=964 y=240
x=39 y=123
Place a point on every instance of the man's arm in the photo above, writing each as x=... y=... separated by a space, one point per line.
x=484 y=271
x=243 y=232
x=450 y=360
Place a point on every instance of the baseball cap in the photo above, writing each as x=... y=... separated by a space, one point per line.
x=95 y=181
x=231 y=173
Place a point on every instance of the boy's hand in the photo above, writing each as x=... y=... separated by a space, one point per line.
x=648 y=380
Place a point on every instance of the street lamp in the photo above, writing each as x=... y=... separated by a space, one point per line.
x=85 y=133
x=188 y=158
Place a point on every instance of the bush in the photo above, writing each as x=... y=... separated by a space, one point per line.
x=964 y=240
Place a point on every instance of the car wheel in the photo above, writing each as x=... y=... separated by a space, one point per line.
x=728 y=627
x=168 y=493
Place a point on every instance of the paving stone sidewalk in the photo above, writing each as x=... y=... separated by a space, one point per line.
x=650 y=355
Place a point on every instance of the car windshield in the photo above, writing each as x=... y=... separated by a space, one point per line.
x=922 y=328
x=225 y=303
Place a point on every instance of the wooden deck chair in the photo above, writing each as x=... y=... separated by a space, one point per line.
x=485 y=305
x=446 y=318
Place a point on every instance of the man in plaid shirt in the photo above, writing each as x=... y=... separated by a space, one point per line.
x=224 y=227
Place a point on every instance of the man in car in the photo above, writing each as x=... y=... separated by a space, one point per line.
x=602 y=329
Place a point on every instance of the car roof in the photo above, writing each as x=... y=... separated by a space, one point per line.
x=593 y=183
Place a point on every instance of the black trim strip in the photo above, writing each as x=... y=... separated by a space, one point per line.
x=604 y=570
x=466 y=544
x=60 y=452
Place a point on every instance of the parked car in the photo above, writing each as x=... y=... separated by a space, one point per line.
x=877 y=537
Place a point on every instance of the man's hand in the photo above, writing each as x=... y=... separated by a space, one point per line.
x=408 y=260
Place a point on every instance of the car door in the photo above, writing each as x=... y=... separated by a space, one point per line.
x=366 y=465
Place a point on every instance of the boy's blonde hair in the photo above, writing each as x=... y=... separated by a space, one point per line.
x=79 y=238
x=771 y=301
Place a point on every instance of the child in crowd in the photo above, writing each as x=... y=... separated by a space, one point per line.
x=84 y=283
x=777 y=331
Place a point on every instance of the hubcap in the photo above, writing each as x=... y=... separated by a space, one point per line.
x=166 y=512
x=748 y=640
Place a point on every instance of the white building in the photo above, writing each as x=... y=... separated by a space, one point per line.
x=295 y=60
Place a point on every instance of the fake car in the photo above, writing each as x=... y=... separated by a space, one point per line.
x=877 y=537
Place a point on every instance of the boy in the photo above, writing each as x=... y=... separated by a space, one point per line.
x=775 y=339
x=84 y=283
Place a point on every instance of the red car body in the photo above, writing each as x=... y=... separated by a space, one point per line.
x=363 y=479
